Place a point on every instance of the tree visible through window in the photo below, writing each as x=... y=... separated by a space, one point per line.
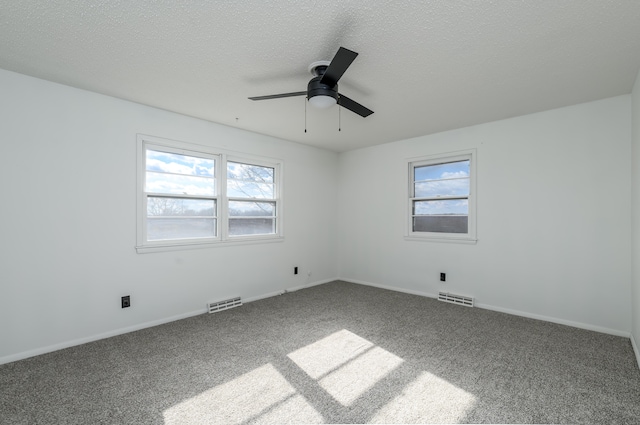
x=251 y=195
x=185 y=197
x=181 y=196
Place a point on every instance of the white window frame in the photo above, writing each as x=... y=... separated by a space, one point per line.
x=221 y=156
x=261 y=163
x=470 y=236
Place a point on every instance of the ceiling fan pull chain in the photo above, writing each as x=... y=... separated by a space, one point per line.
x=339 y=116
x=305 y=114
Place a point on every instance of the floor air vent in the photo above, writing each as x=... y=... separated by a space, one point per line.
x=455 y=299
x=224 y=305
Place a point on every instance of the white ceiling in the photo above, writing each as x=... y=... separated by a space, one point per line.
x=424 y=66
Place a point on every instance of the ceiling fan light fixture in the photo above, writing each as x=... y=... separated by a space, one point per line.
x=322 y=101
x=322 y=90
x=321 y=95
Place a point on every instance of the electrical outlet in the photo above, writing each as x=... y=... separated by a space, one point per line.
x=126 y=301
x=443 y=277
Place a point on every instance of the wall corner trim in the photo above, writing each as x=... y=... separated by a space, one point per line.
x=636 y=350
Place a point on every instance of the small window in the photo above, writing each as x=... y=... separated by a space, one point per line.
x=185 y=199
x=441 y=197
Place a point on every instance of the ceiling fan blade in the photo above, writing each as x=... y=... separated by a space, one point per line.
x=338 y=66
x=277 y=96
x=353 y=106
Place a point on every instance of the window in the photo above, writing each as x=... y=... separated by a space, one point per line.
x=180 y=192
x=185 y=200
x=442 y=197
x=251 y=197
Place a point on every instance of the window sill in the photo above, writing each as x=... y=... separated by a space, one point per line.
x=145 y=249
x=442 y=239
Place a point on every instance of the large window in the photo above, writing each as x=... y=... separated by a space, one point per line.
x=186 y=200
x=442 y=197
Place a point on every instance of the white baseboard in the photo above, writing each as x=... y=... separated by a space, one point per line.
x=51 y=348
x=579 y=325
x=635 y=349
x=506 y=310
x=261 y=297
x=72 y=343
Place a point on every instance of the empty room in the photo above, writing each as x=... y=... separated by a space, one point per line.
x=319 y=212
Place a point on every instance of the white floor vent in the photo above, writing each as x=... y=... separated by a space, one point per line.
x=224 y=305
x=455 y=299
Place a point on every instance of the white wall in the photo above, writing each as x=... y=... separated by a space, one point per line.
x=68 y=220
x=635 y=198
x=553 y=217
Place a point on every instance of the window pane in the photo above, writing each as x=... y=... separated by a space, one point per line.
x=178 y=174
x=442 y=187
x=252 y=209
x=442 y=171
x=441 y=207
x=244 y=189
x=162 y=228
x=179 y=185
x=248 y=172
x=251 y=226
x=180 y=164
x=445 y=216
x=441 y=223
x=250 y=181
x=158 y=206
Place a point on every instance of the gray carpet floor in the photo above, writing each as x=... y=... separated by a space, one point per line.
x=335 y=353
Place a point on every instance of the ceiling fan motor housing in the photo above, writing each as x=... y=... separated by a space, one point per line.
x=316 y=88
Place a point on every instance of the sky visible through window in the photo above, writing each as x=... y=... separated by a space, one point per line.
x=249 y=181
x=203 y=196
x=183 y=196
x=178 y=174
x=442 y=181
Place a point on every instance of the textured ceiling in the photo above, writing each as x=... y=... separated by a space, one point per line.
x=424 y=66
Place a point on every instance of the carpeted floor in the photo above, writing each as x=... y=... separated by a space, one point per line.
x=335 y=353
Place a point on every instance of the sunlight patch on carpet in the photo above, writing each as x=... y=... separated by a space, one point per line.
x=259 y=395
x=345 y=364
x=428 y=399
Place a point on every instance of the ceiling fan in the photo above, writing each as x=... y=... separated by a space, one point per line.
x=322 y=90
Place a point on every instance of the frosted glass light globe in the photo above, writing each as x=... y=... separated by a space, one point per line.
x=322 y=102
